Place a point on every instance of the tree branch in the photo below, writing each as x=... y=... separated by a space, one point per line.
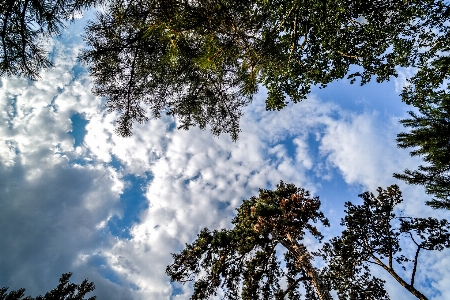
x=400 y=280
x=415 y=265
x=348 y=55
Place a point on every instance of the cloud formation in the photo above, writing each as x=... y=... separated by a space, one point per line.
x=198 y=180
x=53 y=207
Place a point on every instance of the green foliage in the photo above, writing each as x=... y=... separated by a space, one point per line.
x=243 y=261
x=245 y=264
x=372 y=236
x=202 y=61
x=430 y=130
x=65 y=290
x=24 y=26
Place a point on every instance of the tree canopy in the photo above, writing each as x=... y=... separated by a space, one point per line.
x=374 y=236
x=202 y=61
x=245 y=261
x=65 y=290
x=24 y=26
x=430 y=130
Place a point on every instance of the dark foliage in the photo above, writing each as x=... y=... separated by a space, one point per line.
x=202 y=61
x=24 y=26
x=373 y=236
x=243 y=261
x=430 y=130
x=65 y=290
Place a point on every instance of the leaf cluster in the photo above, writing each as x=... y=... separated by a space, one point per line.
x=429 y=134
x=65 y=290
x=202 y=61
x=24 y=27
x=372 y=236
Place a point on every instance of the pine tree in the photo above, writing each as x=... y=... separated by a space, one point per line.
x=24 y=27
x=429 y=134
x=65 y=290
x=244 y=261
x=374 y=236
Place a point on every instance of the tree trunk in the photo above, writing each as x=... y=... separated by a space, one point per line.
x=407 y=286
x=303 y=259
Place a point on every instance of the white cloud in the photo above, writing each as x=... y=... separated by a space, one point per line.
x=363 y=148
x=401 y=80
x=52 y=208
x=199 y=179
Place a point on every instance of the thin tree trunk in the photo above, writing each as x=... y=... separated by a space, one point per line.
x=400 y=280
x=303 y=259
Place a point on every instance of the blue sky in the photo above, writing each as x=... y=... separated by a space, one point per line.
x=78 y=198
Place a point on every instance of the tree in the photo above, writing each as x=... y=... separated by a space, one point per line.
x=244 y=262
x=65 y=290
x=373 y=236
x=24 y=26
x=430 y=130
x=202 y=61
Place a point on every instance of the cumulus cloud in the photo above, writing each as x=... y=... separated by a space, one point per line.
x=198 y=180
x=53 y=206
x=364 y=151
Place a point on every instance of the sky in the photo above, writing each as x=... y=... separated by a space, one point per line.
x=77 y=198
